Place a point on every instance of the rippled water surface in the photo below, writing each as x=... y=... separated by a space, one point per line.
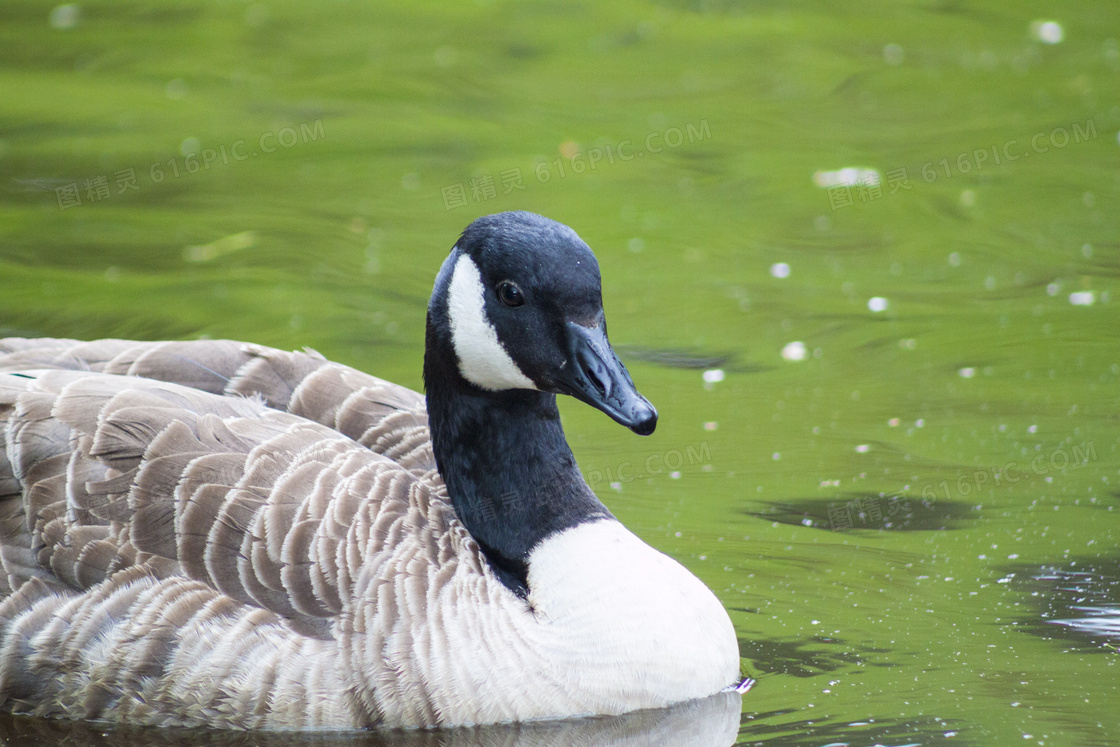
x=863 y=259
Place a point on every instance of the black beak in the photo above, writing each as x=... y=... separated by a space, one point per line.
x=595 y=375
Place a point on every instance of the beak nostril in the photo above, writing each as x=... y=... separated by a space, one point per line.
x=601 y=383
x=595 y=372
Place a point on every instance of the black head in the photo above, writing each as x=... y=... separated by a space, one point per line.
x=518 y=305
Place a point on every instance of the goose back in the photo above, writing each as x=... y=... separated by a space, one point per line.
x=385 y=417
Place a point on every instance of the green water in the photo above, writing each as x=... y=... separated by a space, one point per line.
x=895 y=520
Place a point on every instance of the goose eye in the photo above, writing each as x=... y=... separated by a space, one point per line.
x=510 y=294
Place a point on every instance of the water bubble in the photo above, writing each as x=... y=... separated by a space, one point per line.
x=65 y=17
x=849 y=176
x=794 y=351
x=256 y=15
x=877 y=304
x=714 y=376
x=1082 y=298
x=779 y=270
x=1047 y=32
x=446 y=56
x=190 y=146
x=176 y=89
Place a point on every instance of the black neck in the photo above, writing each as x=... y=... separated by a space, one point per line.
x=509 y=472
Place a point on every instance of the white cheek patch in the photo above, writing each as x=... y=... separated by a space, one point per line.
x=483 y=360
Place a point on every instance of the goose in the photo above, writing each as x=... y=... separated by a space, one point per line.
x=218 y=534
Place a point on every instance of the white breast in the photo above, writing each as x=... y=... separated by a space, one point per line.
x=630 y=624
x=611 y=626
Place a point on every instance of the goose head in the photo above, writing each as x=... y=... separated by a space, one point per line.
x=517 y=305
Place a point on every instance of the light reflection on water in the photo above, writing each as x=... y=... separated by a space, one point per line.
x=712 y=722
x=1077 y=604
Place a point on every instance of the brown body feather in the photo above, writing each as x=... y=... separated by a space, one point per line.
x=157 y=498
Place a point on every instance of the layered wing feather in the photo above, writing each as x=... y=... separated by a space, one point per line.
x=387 y=418
x=143 y=524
